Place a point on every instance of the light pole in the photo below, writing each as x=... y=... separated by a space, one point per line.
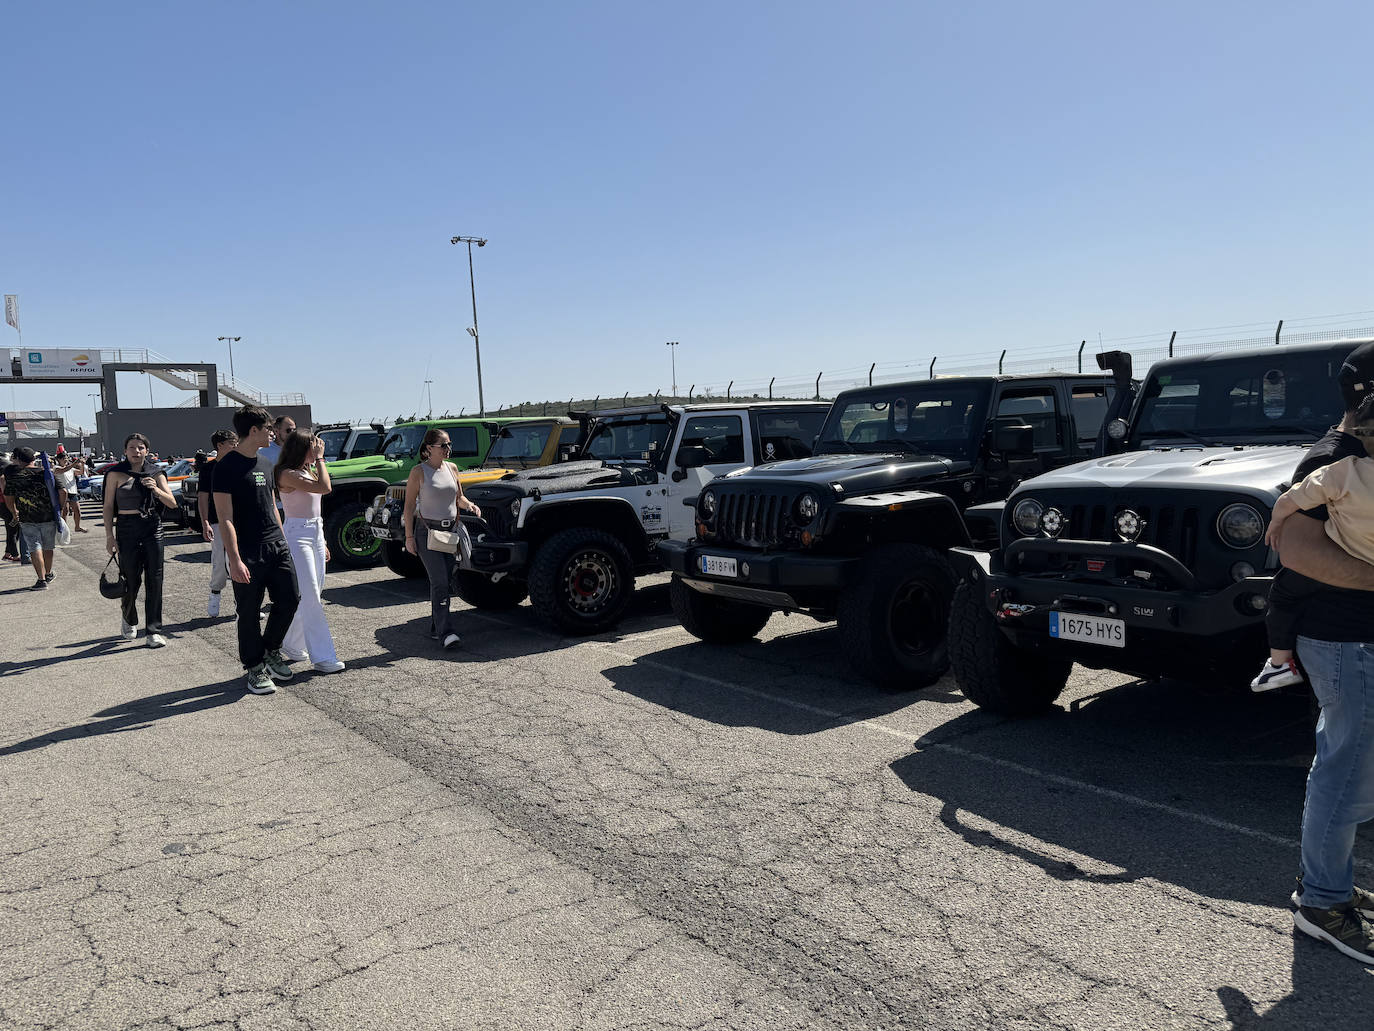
x=673 y=345
x=96 y=406
x=231 y=342
x=472 y=330
x=65 y=418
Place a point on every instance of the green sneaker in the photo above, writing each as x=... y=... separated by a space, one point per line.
x=1361 y=899
x=276 y=665
x=258 y=680
x=1341 y=926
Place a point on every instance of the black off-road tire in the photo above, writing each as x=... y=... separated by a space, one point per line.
x=894 y=619
x=992 y=672
x=715 y=620
x=402 y=562
x=581 y=579
x=479 y=591
x=344 y=530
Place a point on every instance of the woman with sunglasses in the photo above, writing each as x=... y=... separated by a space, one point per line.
x=433 y=498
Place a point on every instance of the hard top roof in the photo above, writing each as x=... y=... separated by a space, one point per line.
x=1341 y=347
x=1009 y=377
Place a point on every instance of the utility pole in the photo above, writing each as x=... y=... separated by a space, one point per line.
x=672 y=345
x=472 y=330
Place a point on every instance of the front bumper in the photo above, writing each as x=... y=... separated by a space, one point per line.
x=1166 y=629
x=783 y=580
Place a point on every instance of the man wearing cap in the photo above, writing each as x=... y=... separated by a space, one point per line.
x=1336 y=646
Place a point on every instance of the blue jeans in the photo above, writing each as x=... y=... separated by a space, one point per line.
x=1340 y=785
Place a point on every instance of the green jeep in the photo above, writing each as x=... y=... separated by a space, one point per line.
x=357 y=481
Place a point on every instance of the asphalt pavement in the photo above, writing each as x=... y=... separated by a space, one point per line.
x=633 y=830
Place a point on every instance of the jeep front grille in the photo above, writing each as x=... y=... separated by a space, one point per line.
x=753 y=519
x=396 y=492
x=1170 y=528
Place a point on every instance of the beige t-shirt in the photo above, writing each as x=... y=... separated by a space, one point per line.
x=1346 y=488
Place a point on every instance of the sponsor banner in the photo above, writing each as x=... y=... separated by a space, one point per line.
x=60 y=363
x=12 y=311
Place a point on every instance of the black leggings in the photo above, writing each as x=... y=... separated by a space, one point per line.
x=139 y=543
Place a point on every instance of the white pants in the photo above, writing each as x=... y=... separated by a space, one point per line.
x=308 y=632
x=219 y=567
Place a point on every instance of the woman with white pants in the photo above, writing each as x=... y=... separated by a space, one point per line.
x=302 y=479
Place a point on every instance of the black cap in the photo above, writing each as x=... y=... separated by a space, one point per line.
x=1357 y=377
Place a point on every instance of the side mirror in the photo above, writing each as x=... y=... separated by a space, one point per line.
x=566 y=451
x=692 y=457
x=1014 y=439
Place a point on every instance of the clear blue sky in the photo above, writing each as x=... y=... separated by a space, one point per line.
x=781 y=187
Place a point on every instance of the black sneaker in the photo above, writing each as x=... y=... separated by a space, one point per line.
x=1341 y=926
x=48 y=578
x=1361 y=899
x=41 y=585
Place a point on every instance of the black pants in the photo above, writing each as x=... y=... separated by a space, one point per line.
x=11 y=537
x=1287 y=595
x=138 y=540
x=270 y=572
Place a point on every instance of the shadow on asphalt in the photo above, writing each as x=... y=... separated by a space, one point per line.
x=733 y=703
x=139 y=713
x=1231 y=759
x=1325 y=986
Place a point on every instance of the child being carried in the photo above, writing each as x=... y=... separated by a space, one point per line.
x=1346 y=487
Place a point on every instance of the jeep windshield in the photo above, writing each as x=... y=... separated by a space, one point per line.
x=1290 y=398
x=936 y=417
x=404 y=442
x=642 y=440
x=334 y=441
x=520 y=446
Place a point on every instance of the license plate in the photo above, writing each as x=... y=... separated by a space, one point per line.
x=1068 y=626
x=380 y=533
x=718 y=565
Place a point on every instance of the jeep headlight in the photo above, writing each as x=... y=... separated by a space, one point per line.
x=1026 y=517
x=807 y=507
x=515 y=508
x=386 y=515
x=1240 y=526
x=369 y=512
x=708 y=503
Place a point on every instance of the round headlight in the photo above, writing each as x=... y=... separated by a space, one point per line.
x=708 y=503
x=515 y=508
x=1240 y=526
x=1129 y=525
x=369 y=512
x=1026 y=517
x=807 y=507
x=1116 y=429
x=386 y=516
x=1052 y=522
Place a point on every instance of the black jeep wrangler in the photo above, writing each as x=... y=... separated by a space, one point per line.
x=858 y=532
x=1151 y=561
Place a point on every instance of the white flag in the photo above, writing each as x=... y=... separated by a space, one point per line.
x=12 y=311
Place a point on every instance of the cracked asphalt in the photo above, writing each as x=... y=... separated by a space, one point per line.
x=622 y=832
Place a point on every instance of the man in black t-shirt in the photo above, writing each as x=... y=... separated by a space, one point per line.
x=1335 y=642
x=255 y=551
x=223 y=441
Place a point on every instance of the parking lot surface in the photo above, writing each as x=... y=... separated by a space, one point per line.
x=627 y=831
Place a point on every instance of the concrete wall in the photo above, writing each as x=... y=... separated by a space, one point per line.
x=177 y=431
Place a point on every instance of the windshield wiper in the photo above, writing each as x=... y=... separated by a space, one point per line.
x=824 y=446
x=897 y=444
x=1313 y=434
x=1181 y=433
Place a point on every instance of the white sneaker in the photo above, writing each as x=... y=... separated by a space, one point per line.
x=156 y=641
x=294 y=656
x=1271 y=676
x=212 y=607
x=127 y=631
x=451 y=641
x=328 y=667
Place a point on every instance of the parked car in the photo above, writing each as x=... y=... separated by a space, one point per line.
x=858 y=532
x=344 y=440
x=1151 y=561
x=575 y=536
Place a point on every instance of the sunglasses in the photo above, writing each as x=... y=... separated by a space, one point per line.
x=445 y=445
